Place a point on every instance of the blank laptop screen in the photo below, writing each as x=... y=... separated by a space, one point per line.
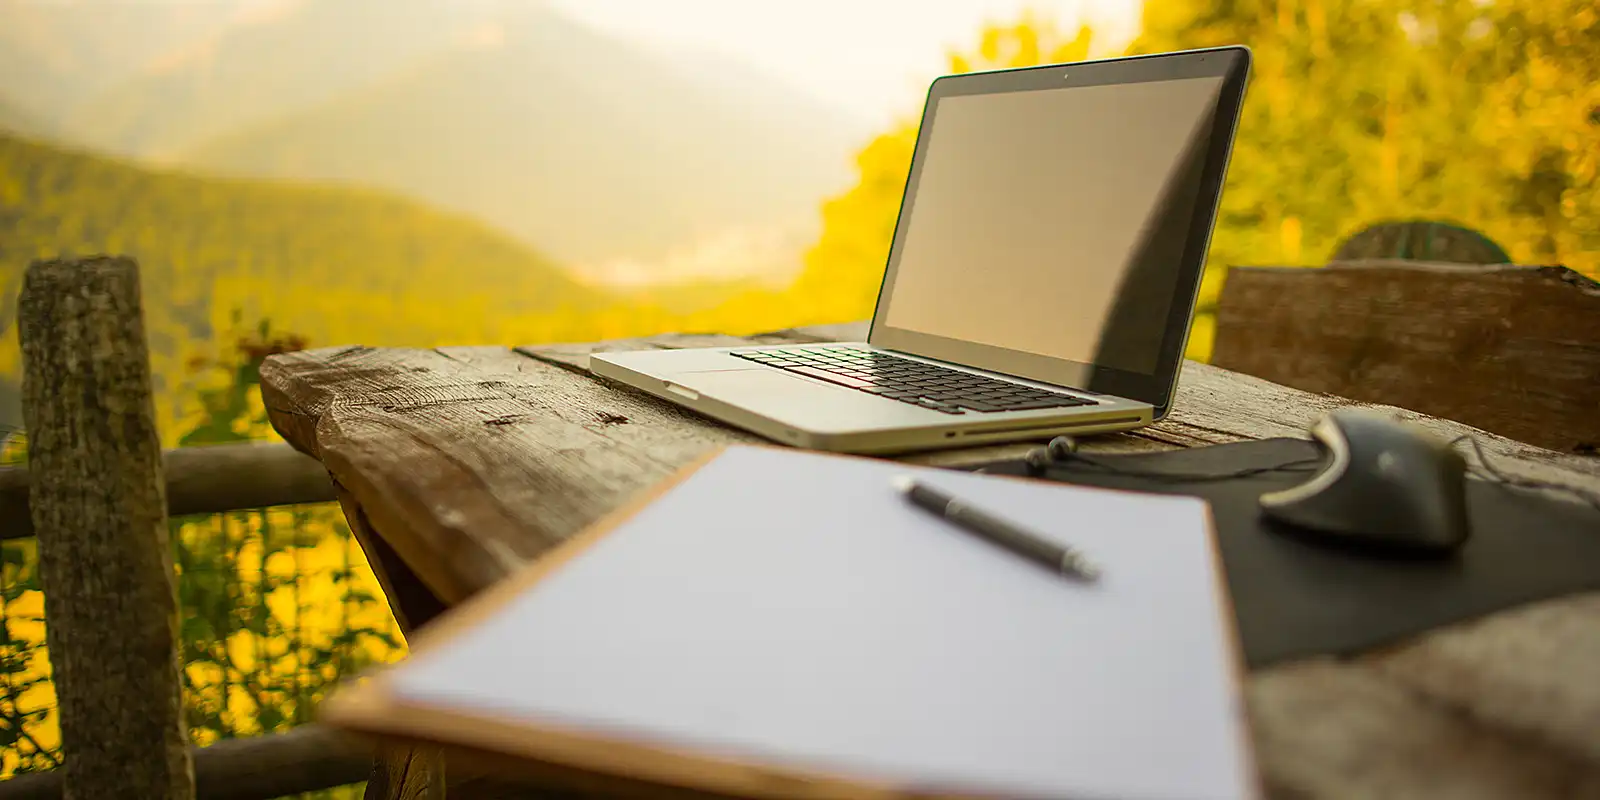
x=1053 y=222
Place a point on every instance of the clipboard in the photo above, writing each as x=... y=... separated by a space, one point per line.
x=587 y=758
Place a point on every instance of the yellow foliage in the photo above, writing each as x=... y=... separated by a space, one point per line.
x=1350 y=120
x=1484 y=114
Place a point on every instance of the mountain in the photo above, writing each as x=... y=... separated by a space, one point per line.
x=335 y=265
x=15 y=120
x=758 y=91
x=629 y=164
x=57 y=54
x=593 y=148
x=274 y=58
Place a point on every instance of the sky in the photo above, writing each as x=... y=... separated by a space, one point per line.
x=874 y=58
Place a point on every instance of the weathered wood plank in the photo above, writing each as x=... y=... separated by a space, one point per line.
x=409 y=600
x=1329 y=730
x=202 y=480
x=632 y=438
x=98 y=504
x=1216 y=405
x=523 y=451
x=1213 y=406
x=1514 y=350
x=576 y=354
x=496 y=467
x=1520 y=671
x=306 y=759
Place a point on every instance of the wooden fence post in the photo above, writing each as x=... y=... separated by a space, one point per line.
x=98 y=504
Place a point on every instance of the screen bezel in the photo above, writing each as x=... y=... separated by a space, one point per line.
x=1229 y=63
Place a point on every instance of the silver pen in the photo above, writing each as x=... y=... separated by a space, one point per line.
x=1059 y=558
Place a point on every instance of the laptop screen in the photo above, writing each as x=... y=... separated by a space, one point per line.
x=1054 y=225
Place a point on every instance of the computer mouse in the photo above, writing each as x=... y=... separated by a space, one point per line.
x=1385 y=485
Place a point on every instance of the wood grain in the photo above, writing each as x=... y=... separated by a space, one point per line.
x=510 y=452
x=1325 y=729
x=98 y=503
x=470 y=471
x=1513 y=350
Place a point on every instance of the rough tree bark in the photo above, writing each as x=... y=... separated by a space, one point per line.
x=99 y=509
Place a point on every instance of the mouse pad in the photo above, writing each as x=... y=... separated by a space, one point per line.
x=1296 y=599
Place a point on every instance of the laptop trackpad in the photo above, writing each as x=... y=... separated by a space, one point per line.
x=795 y=400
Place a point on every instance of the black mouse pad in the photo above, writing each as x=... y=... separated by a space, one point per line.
x=1296 y=599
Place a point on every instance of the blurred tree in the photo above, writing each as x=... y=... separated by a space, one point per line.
x=1542 y=118
x=1484 y=115
x=1472 y=113
x=230 y=408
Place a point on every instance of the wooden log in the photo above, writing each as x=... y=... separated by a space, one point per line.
x=305 y=759
x=203 y=480
x=1511 y=350
x=99 y=508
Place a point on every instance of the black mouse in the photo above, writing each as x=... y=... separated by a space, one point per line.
x=1385 y=485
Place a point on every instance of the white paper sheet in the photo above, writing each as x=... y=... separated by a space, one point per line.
x=792 y=608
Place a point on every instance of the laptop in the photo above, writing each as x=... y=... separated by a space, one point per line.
x=1041 y=280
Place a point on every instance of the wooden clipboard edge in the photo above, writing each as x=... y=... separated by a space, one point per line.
x=368 y=707
x=618 y=764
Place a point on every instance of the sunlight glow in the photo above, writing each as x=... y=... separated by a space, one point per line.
x=872 y=57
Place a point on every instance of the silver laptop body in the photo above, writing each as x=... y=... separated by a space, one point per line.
x=1042 y=276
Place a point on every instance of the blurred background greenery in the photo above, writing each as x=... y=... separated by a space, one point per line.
x=423 y=172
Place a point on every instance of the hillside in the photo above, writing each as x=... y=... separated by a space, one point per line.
x=275 y=58
x=15 y=120
x=334 y=265
x=57 y=54
x=592 y=148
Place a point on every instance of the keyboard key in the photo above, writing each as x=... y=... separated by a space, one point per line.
x=937 y=406
x=975 y=405
x=1035 y=404
x=908 y=381
x=822 y=374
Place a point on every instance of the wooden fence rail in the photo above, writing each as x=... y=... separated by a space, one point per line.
x=306 y=758
x=202 y=480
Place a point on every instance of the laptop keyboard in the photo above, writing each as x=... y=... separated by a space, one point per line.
x=917 y=383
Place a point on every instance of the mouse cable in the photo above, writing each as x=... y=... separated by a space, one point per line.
x=1492 y=474
x=1063 y=451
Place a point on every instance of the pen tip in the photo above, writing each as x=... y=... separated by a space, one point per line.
x=902 y=483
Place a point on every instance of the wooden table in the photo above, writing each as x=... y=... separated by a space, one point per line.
x=458 y=466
